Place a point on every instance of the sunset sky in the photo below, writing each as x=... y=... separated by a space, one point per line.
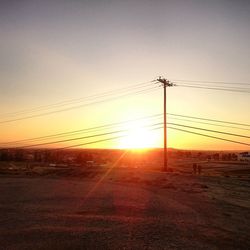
x=52 y=51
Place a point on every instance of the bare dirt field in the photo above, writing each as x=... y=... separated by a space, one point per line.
x=128 y=209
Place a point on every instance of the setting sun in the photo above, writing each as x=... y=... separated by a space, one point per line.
x=139 y=138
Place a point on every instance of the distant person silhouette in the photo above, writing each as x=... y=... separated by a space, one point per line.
x=194 y=168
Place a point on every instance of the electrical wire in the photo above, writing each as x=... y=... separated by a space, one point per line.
x=209 y=130
x=213 y=82
x=105 y=126
x=207 y=123
x=83 y=137
x=98 y=141
x=207 y=119
x=214 y=86
x=86 y=130
x=210 y=136
x=148 y=90
x=210 y=88
x=73 y=101
x=125 y=130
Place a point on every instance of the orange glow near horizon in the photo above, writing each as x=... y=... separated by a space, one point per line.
x=77 y=65
x=139 y=137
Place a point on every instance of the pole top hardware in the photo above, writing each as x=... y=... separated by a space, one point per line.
x=165 y=82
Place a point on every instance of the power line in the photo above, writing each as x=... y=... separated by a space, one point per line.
x=214 y=86
x=209 y=130
x=210 y=136
x=73 y=101
x=90 y=136
x=208 y=123
x=80 y=106
x=83 y=130
x=210 y=88
x=82 y=137
x=213 y=120
x=120 y=136
x=157 y=116
x=98 y=141
x=213 y=82
x=74 y=139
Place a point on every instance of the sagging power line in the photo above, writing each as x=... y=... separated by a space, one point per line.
x=210 y=130
x=126 y=130
x=208 y=123
x=85 y=137
x=137 y=92
x=210 y=136
x=212 y=82
x=91 y=100
x=85 y=130
x=77 y=100
x=208 y=119
x=94 y=142
x=158 y=126
x=213 y=88
x=117 y=124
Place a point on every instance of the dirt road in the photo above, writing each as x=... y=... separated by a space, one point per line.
x=174 y=212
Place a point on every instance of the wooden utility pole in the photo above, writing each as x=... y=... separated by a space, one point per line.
x=165 y=83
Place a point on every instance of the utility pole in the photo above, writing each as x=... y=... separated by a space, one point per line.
x=165 y=83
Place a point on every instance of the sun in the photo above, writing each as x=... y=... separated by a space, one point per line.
x=139 y=137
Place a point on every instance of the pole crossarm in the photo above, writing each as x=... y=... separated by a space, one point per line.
x=165 y=82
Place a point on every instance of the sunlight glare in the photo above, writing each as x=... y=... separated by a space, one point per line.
x=139 y=137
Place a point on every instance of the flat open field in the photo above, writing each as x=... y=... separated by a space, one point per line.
x=126 y=209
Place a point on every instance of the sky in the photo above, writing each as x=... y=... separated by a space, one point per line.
x=51 y=51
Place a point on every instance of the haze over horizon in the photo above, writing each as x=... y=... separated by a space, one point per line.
x=52 y=51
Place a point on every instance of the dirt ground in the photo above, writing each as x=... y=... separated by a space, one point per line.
x=128 y=209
